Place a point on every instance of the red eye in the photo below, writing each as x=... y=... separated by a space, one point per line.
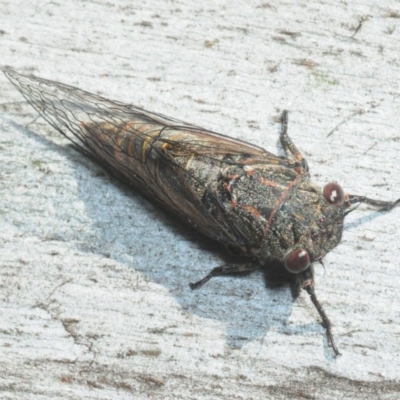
x=297 y=261
x=333 y=194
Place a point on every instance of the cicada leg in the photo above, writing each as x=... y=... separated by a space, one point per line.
x=307 y=283
x=288 y=145
x=382 y=205
x=225 y=270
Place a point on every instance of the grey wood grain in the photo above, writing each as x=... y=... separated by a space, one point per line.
x=94 y=296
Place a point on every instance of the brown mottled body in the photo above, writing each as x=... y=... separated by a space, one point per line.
x=237 y=193
x=261 y=208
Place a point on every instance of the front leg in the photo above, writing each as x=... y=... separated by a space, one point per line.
x=307 y=283
x=382 y=205
x=288 y=145
x=226 y=270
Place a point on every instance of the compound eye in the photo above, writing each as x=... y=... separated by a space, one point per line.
x=297 y=261
x=333 y=194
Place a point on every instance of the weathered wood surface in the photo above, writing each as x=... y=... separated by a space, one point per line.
x=94 y=296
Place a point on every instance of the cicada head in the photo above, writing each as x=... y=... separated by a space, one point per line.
x=309 y=226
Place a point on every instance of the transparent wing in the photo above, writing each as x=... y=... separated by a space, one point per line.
x=149 y=150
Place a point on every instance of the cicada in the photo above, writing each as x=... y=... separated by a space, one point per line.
x=263 y=206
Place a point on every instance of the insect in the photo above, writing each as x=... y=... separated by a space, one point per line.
x=263 y=206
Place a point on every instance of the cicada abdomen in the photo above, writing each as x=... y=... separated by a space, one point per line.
x=237 y=193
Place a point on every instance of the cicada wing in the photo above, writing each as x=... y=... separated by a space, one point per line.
x=141 y=147
x=66 y=108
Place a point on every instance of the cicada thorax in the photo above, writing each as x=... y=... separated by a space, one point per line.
x=250 y=198
x=273 y=209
